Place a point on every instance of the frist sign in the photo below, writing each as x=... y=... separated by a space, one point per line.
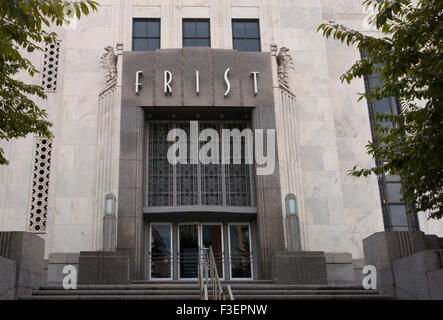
x=197 y=77
x=167 y=81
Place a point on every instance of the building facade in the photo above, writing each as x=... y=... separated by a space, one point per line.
x=223 y=65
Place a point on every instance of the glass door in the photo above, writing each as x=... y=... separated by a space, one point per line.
x=188 y=239
x=212 y=235
x=160 y=255
x=240 y=251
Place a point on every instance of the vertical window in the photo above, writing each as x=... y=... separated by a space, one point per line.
x=399 y=219
x=246 y=35
x=146 y=34
x=394 y=209
x=196 y=33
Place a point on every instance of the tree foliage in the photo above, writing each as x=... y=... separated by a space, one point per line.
x=25 y=27
x=409 y=58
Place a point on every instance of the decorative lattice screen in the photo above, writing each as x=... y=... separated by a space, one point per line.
x=160 y=182
x=50 y=67
x=211 y=174
x=40 y=185
x=192 y=184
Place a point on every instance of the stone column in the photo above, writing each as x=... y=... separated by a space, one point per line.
x=130 y=195
x=269 y=202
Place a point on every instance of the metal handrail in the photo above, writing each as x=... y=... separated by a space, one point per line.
x=208 y=273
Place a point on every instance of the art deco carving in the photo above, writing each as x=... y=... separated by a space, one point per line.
x=109 y=65
x=285 y=64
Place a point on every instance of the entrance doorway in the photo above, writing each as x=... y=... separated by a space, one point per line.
x=174 y=249
x=193 y=236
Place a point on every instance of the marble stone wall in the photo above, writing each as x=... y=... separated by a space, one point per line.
x=328 y=131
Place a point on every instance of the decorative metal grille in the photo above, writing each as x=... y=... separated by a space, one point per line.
x=186 y=178
x=40 y=185
x=211 y=174
x=194 y=184
x=238 y=177
x=160 y=182
x=50 y=67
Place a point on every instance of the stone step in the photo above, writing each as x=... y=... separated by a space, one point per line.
x=315 y=297
x=112 y=297
x=194 y=281
x=256 y=290
x=197 y=297
x=113 y=292
x=190 y=286
x=236 y=292
x=153 y=286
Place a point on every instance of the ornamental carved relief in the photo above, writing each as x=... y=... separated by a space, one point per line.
x=285 y=65
x=109 y=64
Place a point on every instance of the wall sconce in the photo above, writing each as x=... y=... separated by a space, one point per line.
x=292 y=223
x=110 y=204
x=109 y=224
x=291 y=204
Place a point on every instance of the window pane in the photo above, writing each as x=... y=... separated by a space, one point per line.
x=153 y=29
x=400 y=229
x=240 y=251
x=161 y=251
x=140 y=29
x=240 y=44
x=253 y=45
x=153 y=44
x=252 y=29
x=382 y=106
x=188 y=43
x=394 y=105
x=392 y=178
x=393 y=191
x=212 y=236
x=202 y=42
x=139 y=45
x=188 y=29
x=203 y=29
x=238 y=29
x=398 y=215
x=375 y=81
x=188 y=240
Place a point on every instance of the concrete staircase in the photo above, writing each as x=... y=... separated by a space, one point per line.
x=251 y=290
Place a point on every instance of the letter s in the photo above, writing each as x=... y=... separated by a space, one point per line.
x=228 y=84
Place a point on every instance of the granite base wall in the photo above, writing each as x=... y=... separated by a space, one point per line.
x=419 y=276
x=339 y=268
x=409 y=249
x=300 y=268
x=103 y=267
x=56 y=263
x=8 y=274
x=27 y=251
